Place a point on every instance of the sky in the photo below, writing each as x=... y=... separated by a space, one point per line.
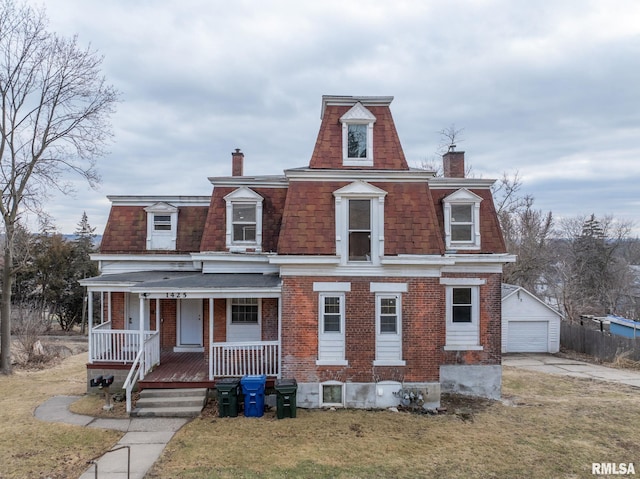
x=547 y=89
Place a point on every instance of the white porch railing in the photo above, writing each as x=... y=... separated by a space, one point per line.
x=240 y=359
x=146 y=359
x=115 y=345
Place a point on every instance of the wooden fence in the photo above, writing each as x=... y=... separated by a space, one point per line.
x=600 y=344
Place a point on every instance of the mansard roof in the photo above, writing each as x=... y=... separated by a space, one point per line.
x=386 y=143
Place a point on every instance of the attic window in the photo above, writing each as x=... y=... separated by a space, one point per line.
x=357 y=136
x=162 y=222
x=244 y=220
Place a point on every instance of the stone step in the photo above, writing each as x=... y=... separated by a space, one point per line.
x=170 y=402
x=177 y=392
x=178 y=401
x=167 y=412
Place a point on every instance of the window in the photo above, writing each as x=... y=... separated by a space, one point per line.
x=359 y=230
x=388 y=315
x=244 y=220
x=462 y=313
x=161 y=222
x=162 y=226
x=244 y=223
x=244 y=311
x=332 y=393
x=461 y=223
x=356 y=141
x=357 y=136
x=332 y=314
x=461 y=306
x=359 y=223
x=462 y=220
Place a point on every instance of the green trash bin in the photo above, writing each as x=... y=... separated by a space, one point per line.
x=286 y=394
x=228 y=396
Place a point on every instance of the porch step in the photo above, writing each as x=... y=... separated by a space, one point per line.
x=170 y=402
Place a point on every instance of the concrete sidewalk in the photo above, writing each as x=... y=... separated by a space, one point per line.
x=547 y=363
x=146 y=438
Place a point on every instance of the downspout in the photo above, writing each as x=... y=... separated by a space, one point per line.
x=210 y=339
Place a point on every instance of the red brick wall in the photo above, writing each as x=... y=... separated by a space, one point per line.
x=117 y=310
x=423 y=330
x=168 y=315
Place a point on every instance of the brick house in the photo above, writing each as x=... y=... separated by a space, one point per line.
x=356 y=275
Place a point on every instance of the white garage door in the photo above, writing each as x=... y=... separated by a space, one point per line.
x=528 y=337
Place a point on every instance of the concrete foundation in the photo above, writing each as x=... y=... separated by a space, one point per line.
x=481 y=381
x=381 y=395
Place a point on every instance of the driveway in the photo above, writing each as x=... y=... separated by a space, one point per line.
x=547 y=363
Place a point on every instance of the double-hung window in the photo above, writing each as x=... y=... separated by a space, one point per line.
x=244 y=311
x=244 y=223
x=243 y=319
x=359 y=230
x=462 y=313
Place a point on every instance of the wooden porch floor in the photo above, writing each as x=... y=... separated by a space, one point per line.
x=179 y=370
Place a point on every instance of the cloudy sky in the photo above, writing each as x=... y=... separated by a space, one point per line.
x=548 y=89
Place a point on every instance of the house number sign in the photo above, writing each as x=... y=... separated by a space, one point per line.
x=176 y=295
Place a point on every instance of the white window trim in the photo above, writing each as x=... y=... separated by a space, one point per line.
x=229 y=307
x=243 y=196
x=163 y=209
x=359 y=190
x=462 y=197
x=330 y=294
x=331 y=404
x=358 y=115
x=474 y=325
x=398 y=297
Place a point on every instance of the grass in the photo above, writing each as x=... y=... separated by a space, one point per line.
x=30 y=448
x=548 y=427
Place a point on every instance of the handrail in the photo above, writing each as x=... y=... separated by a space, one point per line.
x=95 y=463
x=147 y=357
x=132 y=377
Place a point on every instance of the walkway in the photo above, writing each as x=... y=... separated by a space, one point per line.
x=146 y=437
x=547 y=363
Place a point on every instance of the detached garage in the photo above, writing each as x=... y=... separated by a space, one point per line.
x=528 y=324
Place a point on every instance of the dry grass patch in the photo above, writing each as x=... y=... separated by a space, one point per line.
x=549 y=427
x=92 y=405
x=31 y=448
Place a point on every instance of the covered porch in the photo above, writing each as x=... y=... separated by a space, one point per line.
x=228 y=323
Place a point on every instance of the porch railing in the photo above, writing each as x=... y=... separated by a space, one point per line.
x=115 y=345
x=145 y=360
x=240 y=359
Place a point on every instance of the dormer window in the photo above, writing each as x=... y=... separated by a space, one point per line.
x=162 y=227
x=359 y=223
x=357 y=136
x=244 y=220
x=462 y=220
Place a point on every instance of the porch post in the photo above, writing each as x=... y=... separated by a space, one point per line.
x=210 y=339
x=158 y=314
x=109 y=307
x=279 y=336
x=142 y=362
x=90 y=323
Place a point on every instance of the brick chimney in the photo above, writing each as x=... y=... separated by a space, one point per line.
x=237 y=163
x=453 y=164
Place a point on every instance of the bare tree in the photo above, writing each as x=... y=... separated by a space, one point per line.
x=56 y=109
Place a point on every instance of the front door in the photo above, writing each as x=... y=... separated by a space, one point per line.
x=190 y=327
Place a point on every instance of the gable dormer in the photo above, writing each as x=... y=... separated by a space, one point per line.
x=357 y=136
x=357 y=132
x=162 y=226
x=462 y=220
x=243 y=220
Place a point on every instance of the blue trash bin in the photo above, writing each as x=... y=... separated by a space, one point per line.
x=253 y=390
